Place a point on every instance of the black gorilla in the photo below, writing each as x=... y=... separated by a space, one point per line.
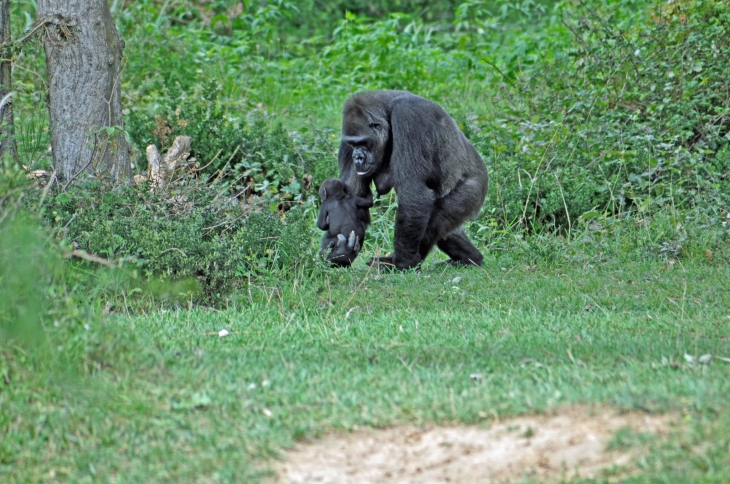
x=396 y=139
x=338 y=216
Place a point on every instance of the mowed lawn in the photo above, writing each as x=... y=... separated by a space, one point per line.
x=172 y=401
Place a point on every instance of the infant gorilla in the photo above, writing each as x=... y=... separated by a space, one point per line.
x=338 y=217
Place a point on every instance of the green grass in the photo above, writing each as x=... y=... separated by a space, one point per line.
x=548 y=96
x=170 y=401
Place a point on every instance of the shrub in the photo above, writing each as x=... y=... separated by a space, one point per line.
x=195 y=232
x=47 y=308
x=254 y=157
x=632 y=121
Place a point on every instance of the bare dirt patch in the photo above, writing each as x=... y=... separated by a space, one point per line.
x=566 y=443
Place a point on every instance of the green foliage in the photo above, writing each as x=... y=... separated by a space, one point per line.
x=47 y=311
x=192 y=232
x=557 y=106
x=632 y=121
x=27 y=269
x=47 y=306
x=326 y=14
x=606 y=235
x=256 y=158
x=582 y=110
x=365 y=53
x=586 y=114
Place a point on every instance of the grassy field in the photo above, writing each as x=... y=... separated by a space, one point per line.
x=606 y=230
x=171 y=401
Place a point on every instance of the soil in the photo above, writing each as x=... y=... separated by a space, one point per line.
x=563 y=444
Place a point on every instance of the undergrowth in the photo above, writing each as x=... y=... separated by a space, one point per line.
x=194 y=233
x=627 y=122
x=255 y=157
x=604 y=127
x=606 y=234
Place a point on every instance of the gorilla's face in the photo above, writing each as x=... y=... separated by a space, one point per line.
x=363 y=160
x=367 y=135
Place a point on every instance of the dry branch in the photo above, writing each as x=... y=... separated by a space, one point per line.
x=161 y=169
x=176 y=155
x=81 y=254
x=153 y=162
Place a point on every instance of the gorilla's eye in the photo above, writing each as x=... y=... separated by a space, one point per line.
x=374 y=125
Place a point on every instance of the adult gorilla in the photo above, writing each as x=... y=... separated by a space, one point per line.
x=399 y=140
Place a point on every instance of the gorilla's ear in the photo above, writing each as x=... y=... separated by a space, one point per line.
x=323 y=193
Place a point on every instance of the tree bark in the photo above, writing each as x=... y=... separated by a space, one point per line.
x=83 y=58
x=7 y=139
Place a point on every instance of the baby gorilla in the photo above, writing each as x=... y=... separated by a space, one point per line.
x=338 y=217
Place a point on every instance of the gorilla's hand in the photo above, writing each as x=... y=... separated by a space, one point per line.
x=341 y=250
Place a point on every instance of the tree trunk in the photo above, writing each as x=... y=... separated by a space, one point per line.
x=7 y=140
x=83 y=57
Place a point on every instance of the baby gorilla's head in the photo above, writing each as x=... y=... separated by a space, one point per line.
x=333 y=189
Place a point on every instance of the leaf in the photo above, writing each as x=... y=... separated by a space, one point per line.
x=705 y=359
x=218 y=18
x=589 y=215
x=201 y=400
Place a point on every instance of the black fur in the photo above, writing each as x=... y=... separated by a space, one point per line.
x=338 y=216
x=396 y=139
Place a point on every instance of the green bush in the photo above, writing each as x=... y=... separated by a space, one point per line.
x=257 y=159
x=190 y=232
x=254 y=157
x=582 y=110
x=27 y=268
x=632 y=121
x=47 y=307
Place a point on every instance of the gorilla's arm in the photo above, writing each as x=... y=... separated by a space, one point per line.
x=363 y=202
x=323 y=222
x=359 y=187
x=412 y=172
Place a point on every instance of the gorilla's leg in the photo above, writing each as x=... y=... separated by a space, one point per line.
x=419 y=226
x=411 y=222
x=449 y=214
x=458 y=246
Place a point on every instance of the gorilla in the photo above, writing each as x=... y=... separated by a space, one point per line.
x=401 y=141
x=338 y=216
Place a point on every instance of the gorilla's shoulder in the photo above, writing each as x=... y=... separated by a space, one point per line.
x=388 y=100
x=384 y=97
